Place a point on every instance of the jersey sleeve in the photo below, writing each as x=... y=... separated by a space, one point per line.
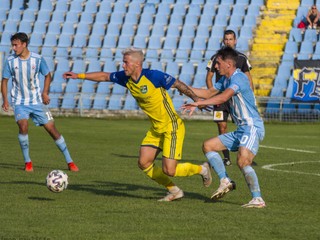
x=44 y=69
x=119 y=78
x=6 y=73
x=160 y=79
x=219 y=84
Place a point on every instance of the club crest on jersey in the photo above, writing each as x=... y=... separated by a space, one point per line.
x=144 y=89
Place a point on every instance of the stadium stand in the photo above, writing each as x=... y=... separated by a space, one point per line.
x=177 y=36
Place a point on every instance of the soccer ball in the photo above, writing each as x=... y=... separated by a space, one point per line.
x=57 y=181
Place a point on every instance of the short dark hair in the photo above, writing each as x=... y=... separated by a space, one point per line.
x=228 y=53
x=23 y=37
x=230 y=32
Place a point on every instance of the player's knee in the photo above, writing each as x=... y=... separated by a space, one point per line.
x=206 y=147
x=169 y=172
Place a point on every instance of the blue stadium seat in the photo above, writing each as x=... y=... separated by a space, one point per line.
x=291 y=47
x=186 y=78
x=91 y=7
x=157 y=65
x=246 y=32
x=58 y=16
x=14 y=15
x=164 y=8
x=86 y=17
x=154 y=42
x=182 y=55
x=50 y=40
x=47 y=51
x=170 y=42
x=118 y=89
x=61 y=6
x=95 y=41
x=43 y=16
x=54 y=100
x=76 y=6
x=131 y=18
x=176 y=19
x=115 y=102
x=109 y=41
x=310 y=35
x=167 y=54
x=242 y=44
x=191 y=20
x=29 y=15
x=80 y=40
x=196 y=55
x=85 y=101
x=236 y=21
x=127 y=30
x=5 y=5
x=173 y=31
x=194 y=9
x=83 y=28
x=103 y=87
x=150 y=7
x=203 y=31
x=68 y=101
x=113 y=29
x=217 y=32
x=25 y=26
x=79 y=65
x=117 y=18
x=36 y=39
x=306 y=47
x=88 y=86
x=65 y=40
x=188 y=31
x=178 y=101
x=135 y=7
x=250 y=20
x=46 y=5
x=152 y=54
x=214 y=43
x=72 y=17
x=206 y=20
x=200 y=43
x=185 y=43
x=303 y=56
x=239 y=9
x=11 y=26
x=139 y=42
x=102 y=17
x=146 y=18
x=54 y=28
x=188 y=68
x=172 y=68
x=209 y=9
x=143 y=30
x=124 y=42
x=317 y=48
x=199 y=80
x=295 y=35
x=130 y=103
x=72 y=86
x=100 y=101
x=160 y=20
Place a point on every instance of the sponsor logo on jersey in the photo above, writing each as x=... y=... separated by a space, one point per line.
x=144 y=89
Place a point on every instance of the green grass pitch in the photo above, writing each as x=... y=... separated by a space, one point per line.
x=110 y=198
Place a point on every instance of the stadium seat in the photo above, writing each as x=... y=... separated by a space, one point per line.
x=206 y=20
x=295 y=35
x=100 y=101
x=109 y=41
x=306 y=47
x=154 y=42
x=310 y=35
x=172 y=68
x=130 y=103
x=58 y=16
x=54 y=100
x=117 y=18
x=164 y=8
x=185 y=43
x=61 y=6
x=196 y=55
x=186 y=78
x=127 y=30
x=14 y=15
x=25 y=26
x=88 y=86
x=36 y=40
x=124 y=42
x=191 y=20
x=102 y=17
x=87 y=17
x=199 y=80
x=188 y=68
x=242 y=44
x=176 y=19
x=115 y=102
x=113 y=29
x=46 y=5
x=135 y=7
x=291 y=47
x=139 y=42
x=235 y=21
x=68 y=101
x=170 y=42
x=131 y=18
x=239 y=9
x=178 y=101
x=188 y=31
x=214 y=43
x=160 y=20
x=221 y=20
x=200 y=43
x=29 y=15
x=76 y=6
x=182 y=55
x=43 y=17
x=85 y=101
x=250 y=20
x=50 y=40
x=91 y=7
x=72 y=86
x=167 y=54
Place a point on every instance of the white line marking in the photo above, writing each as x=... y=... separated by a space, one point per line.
x=270 y=167
x=288 y=149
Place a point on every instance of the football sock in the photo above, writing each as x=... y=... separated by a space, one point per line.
x=156 y=174
x=24 y=144
x=187 y=169
x=63 y=148
x=252 y=181
x=217 y=164
x=226 y=154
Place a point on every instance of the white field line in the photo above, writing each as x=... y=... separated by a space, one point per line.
x=271 y=167
x=288 y=149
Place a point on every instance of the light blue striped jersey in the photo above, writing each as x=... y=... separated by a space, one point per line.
x=243 y=107
x=25 y=78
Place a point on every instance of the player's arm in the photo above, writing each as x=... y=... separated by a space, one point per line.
x=4 y=91
x=205 y=93
x=250 y=79
x=184 y=89
x=93 y=76
x=209 y=77
x=215 y=100
x=46 y=87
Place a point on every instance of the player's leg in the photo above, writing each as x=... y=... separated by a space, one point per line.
x=223 y=128
x=248 y=148
x=42 y=117
x=211 y=147
x=172 y=153
x=21 y=116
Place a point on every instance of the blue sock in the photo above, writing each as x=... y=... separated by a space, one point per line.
x=217 y=164
x=24 y=144
x=63 y=148
x=252 y=181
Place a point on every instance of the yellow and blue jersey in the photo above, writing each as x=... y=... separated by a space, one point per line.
x=150 y=93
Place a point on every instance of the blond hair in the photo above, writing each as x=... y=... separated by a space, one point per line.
x=135 y=52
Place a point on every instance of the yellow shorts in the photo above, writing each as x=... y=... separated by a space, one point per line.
x=170 y=142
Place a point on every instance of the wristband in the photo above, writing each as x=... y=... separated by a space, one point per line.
x=81 y=75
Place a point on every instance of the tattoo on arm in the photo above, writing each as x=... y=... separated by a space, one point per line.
x=184 y=89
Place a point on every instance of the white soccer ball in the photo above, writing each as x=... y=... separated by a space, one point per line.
x=57 y=181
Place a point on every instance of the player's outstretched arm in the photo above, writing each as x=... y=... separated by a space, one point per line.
x=184 y=89
x=4 y=91
x=93 y=76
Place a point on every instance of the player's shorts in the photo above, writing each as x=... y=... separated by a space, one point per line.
x=248 y=137
x=221 y=112
x=39 y=113
x=170 y=142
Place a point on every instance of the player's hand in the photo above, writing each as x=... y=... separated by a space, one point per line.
x=45 y=98
x=5 y=106
x=191 y=107
x=70 y=75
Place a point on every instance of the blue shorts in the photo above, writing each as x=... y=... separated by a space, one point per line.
x=40 y=114
x=248 y=137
